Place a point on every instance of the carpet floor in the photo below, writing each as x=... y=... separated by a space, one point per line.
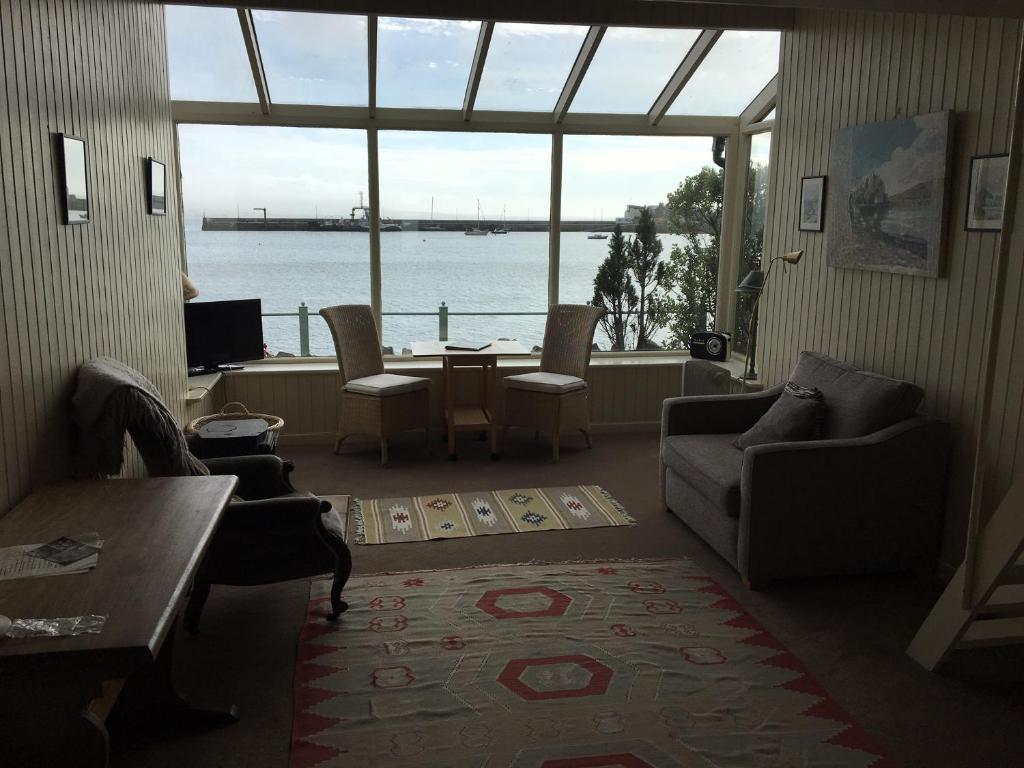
x=850 y=633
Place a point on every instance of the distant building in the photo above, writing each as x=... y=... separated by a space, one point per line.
x=629 y=218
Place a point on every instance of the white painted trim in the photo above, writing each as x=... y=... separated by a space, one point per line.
x=694 y=58
x=371 y=64
x=252 y=49
x=765 y=126
x=373 y=164
x=555 y=225
x=486 y=121
x=579 y=71
x=761 y=104
x=737 y=161
x=483 y=42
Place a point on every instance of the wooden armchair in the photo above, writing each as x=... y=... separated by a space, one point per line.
x=373 y=402
x=554 y=399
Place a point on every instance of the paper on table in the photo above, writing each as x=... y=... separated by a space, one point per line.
x=15 y=563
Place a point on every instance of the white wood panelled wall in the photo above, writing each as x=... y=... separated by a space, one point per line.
x=849 y=68
x=95 y=69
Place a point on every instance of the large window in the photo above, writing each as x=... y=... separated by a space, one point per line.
x=464 y=248
x=304 y=182
x=440 y=186
x=665 y=194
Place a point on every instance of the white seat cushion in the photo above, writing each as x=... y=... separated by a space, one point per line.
x=545 y=382
x=384 y=384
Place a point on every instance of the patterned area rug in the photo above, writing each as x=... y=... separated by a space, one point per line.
x=558 y=666
x=480 y=513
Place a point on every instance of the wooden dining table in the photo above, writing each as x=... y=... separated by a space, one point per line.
x=479 y=415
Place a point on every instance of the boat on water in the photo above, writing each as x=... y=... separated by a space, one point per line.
x=502 y=230
x=597 y=236
x=478 y=230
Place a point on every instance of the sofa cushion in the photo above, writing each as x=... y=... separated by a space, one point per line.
x=541 y=381
x=711 y=464
x=385 y=384
x=798 y=414
x=858 y=402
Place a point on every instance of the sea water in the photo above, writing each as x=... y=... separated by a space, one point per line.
x=419 y=271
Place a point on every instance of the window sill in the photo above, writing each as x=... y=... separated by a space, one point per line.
x=199 y=387
x=294 y=365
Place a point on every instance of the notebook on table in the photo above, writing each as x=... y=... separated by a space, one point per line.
x=466 y=346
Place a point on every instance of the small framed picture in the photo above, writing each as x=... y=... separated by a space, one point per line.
x=812 y=203
x=75 y=178
x=987 y=193
x=157 y=177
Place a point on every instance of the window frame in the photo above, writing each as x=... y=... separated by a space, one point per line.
x=557 y=123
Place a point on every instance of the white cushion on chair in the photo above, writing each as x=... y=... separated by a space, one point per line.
x=545 y=382
x=384 y=384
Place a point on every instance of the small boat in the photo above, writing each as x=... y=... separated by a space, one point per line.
x=597 y=236
x=499 y=231
x=477 y=231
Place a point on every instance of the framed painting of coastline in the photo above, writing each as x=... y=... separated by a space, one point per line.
x=156 y=173
x=987 y=193
x=74 y=177
x=812 y=203
x=891 y=181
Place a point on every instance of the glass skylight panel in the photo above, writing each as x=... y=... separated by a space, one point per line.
x=733 y=73
x=527 y=65
x=313 y=58
x=630 y=69
x=206 y=55
x=424 y=63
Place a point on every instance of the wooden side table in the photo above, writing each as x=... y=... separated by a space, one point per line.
x=479 y=416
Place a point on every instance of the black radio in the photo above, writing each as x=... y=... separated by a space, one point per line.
x=709 y=345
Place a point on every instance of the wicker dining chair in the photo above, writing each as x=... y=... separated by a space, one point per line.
x=554 y=399
x=372 y=402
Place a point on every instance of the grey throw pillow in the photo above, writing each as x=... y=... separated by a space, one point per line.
x=798 y=414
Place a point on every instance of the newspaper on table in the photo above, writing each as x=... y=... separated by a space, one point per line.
x=17 y=563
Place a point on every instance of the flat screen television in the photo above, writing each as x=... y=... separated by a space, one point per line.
x=222 y=332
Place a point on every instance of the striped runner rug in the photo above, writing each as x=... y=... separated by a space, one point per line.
x=482 y=513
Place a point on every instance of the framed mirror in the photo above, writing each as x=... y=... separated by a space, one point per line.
x=74 y=175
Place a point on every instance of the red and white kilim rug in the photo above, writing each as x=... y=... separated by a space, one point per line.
x=558 y=666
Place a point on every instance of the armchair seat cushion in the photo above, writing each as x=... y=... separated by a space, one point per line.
x=710 y=463
x=386 y=384
x=542 y=381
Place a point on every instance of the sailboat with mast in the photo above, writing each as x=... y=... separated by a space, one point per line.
x=433 y=227
x=502 y=230
x=478 y=230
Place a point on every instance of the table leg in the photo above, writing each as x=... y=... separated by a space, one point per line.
x=448 y=407
x=491 y=376
x=49 y=724
x=150 y=701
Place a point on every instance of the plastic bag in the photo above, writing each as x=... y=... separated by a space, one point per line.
x=66 y=627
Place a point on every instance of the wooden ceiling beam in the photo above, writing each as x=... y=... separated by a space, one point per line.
x=483 y=42
x=579 y=71
x=252 y=49
x=694 y=58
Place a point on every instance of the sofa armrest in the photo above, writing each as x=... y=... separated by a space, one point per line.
x=715 y=414
x=857 y=505
x=262 y=476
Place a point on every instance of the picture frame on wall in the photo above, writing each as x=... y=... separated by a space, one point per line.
x=74 y=171
x=891 y=181
x=156 y=183
x=812 y=204
x=986 y=195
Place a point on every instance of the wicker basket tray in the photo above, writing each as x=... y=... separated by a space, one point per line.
x=274 y=423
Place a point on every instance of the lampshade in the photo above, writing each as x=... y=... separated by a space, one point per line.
x=752 y=283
